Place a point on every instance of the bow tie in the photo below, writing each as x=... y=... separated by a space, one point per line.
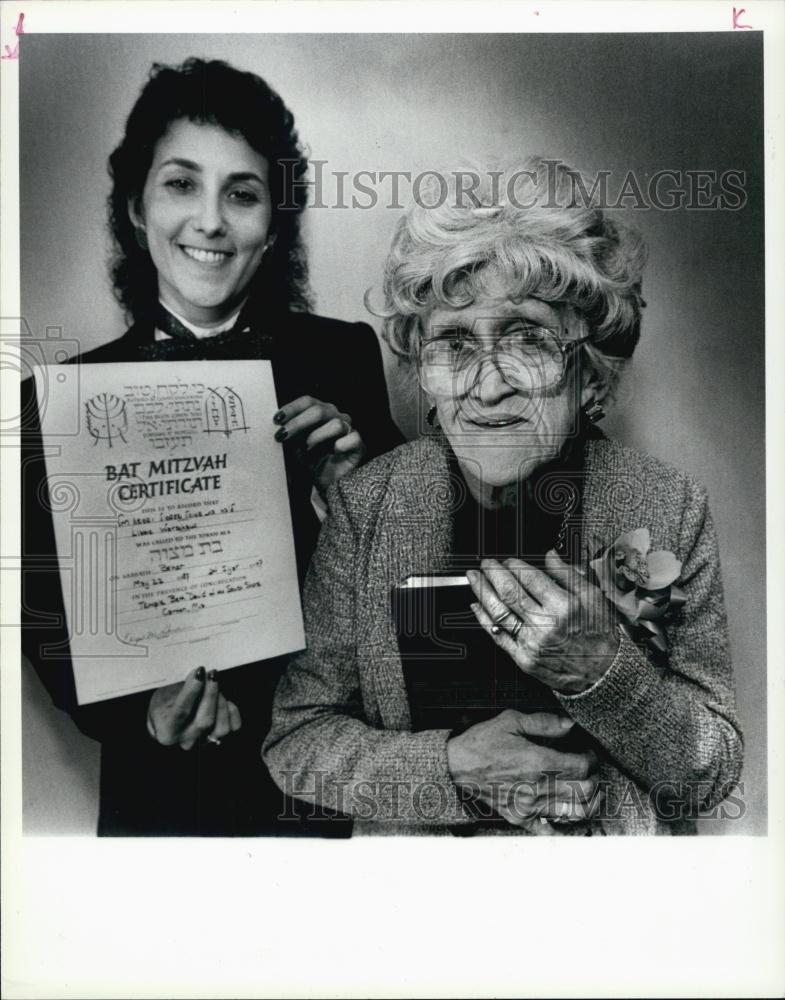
x=244 y=341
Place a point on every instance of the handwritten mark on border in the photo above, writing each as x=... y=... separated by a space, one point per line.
x=20 y=30
x=736 y=15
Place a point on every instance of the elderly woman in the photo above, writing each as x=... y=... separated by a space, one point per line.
x=518 y=314
x=207 y=198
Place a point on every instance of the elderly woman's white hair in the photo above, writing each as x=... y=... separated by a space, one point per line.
x=520 y=232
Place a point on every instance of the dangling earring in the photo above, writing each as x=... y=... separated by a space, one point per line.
x=141 y=238
x=430 y=417
x=594 y=411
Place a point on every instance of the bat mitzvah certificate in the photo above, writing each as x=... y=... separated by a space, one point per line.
x=171 y=519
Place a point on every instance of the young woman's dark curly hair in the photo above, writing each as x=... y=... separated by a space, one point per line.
x=211 y=92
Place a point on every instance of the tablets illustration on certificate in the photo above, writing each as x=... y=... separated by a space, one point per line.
x=171 y=519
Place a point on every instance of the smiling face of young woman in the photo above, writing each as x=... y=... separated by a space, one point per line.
x=206 y=213
x=504 y=421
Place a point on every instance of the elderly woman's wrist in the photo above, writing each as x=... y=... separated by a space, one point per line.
x=457 y=761
x=600 y=663
x=624 y=674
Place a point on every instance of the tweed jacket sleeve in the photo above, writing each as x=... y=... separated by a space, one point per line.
x=675 y=724
x=323 y=746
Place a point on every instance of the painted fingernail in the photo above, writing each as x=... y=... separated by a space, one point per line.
x=475 y=607
x=213 y=675
x=199 y=675
x=281 y=434
x=279 y=417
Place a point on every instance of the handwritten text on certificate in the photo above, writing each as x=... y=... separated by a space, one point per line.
x=176 y=525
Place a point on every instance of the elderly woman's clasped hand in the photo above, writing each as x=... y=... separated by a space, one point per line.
x=556 y=625
x=501 y=764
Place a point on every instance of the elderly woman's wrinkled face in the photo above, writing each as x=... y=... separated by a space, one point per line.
x=506 y=390
x=206 y=212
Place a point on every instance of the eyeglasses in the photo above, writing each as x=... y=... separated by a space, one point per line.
x=529 y=357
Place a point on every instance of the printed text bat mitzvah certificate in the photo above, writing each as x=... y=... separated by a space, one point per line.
x=171 y=518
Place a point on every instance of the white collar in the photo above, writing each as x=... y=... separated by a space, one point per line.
x=200 y=332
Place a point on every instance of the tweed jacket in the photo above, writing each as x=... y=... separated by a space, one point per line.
x=669 y=737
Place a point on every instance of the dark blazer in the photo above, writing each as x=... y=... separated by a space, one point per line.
x=147 y=789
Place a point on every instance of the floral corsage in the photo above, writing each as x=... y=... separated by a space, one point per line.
x=641 y=584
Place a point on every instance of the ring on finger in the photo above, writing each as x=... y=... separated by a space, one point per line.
x=500 y=618
x=516 y=628
x=214 y=740
x=496 y=627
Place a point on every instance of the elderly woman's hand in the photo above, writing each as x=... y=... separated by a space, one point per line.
x=184 y=713
x=330 y=446
x=567 y=638
x=524 y=782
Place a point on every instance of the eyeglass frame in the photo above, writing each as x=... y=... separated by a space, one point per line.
x=567 y=350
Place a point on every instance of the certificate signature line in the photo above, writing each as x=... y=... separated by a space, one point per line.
x=186 y=642
x=180 y=629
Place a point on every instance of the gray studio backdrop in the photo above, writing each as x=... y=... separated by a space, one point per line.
x=695 y=393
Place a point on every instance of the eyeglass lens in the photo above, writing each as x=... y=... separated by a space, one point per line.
x=531 y=361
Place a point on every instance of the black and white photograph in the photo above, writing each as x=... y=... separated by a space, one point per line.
x=391 y=445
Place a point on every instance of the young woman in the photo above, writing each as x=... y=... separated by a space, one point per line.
x=205 y=209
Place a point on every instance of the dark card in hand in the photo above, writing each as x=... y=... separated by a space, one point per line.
x=455 y=674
